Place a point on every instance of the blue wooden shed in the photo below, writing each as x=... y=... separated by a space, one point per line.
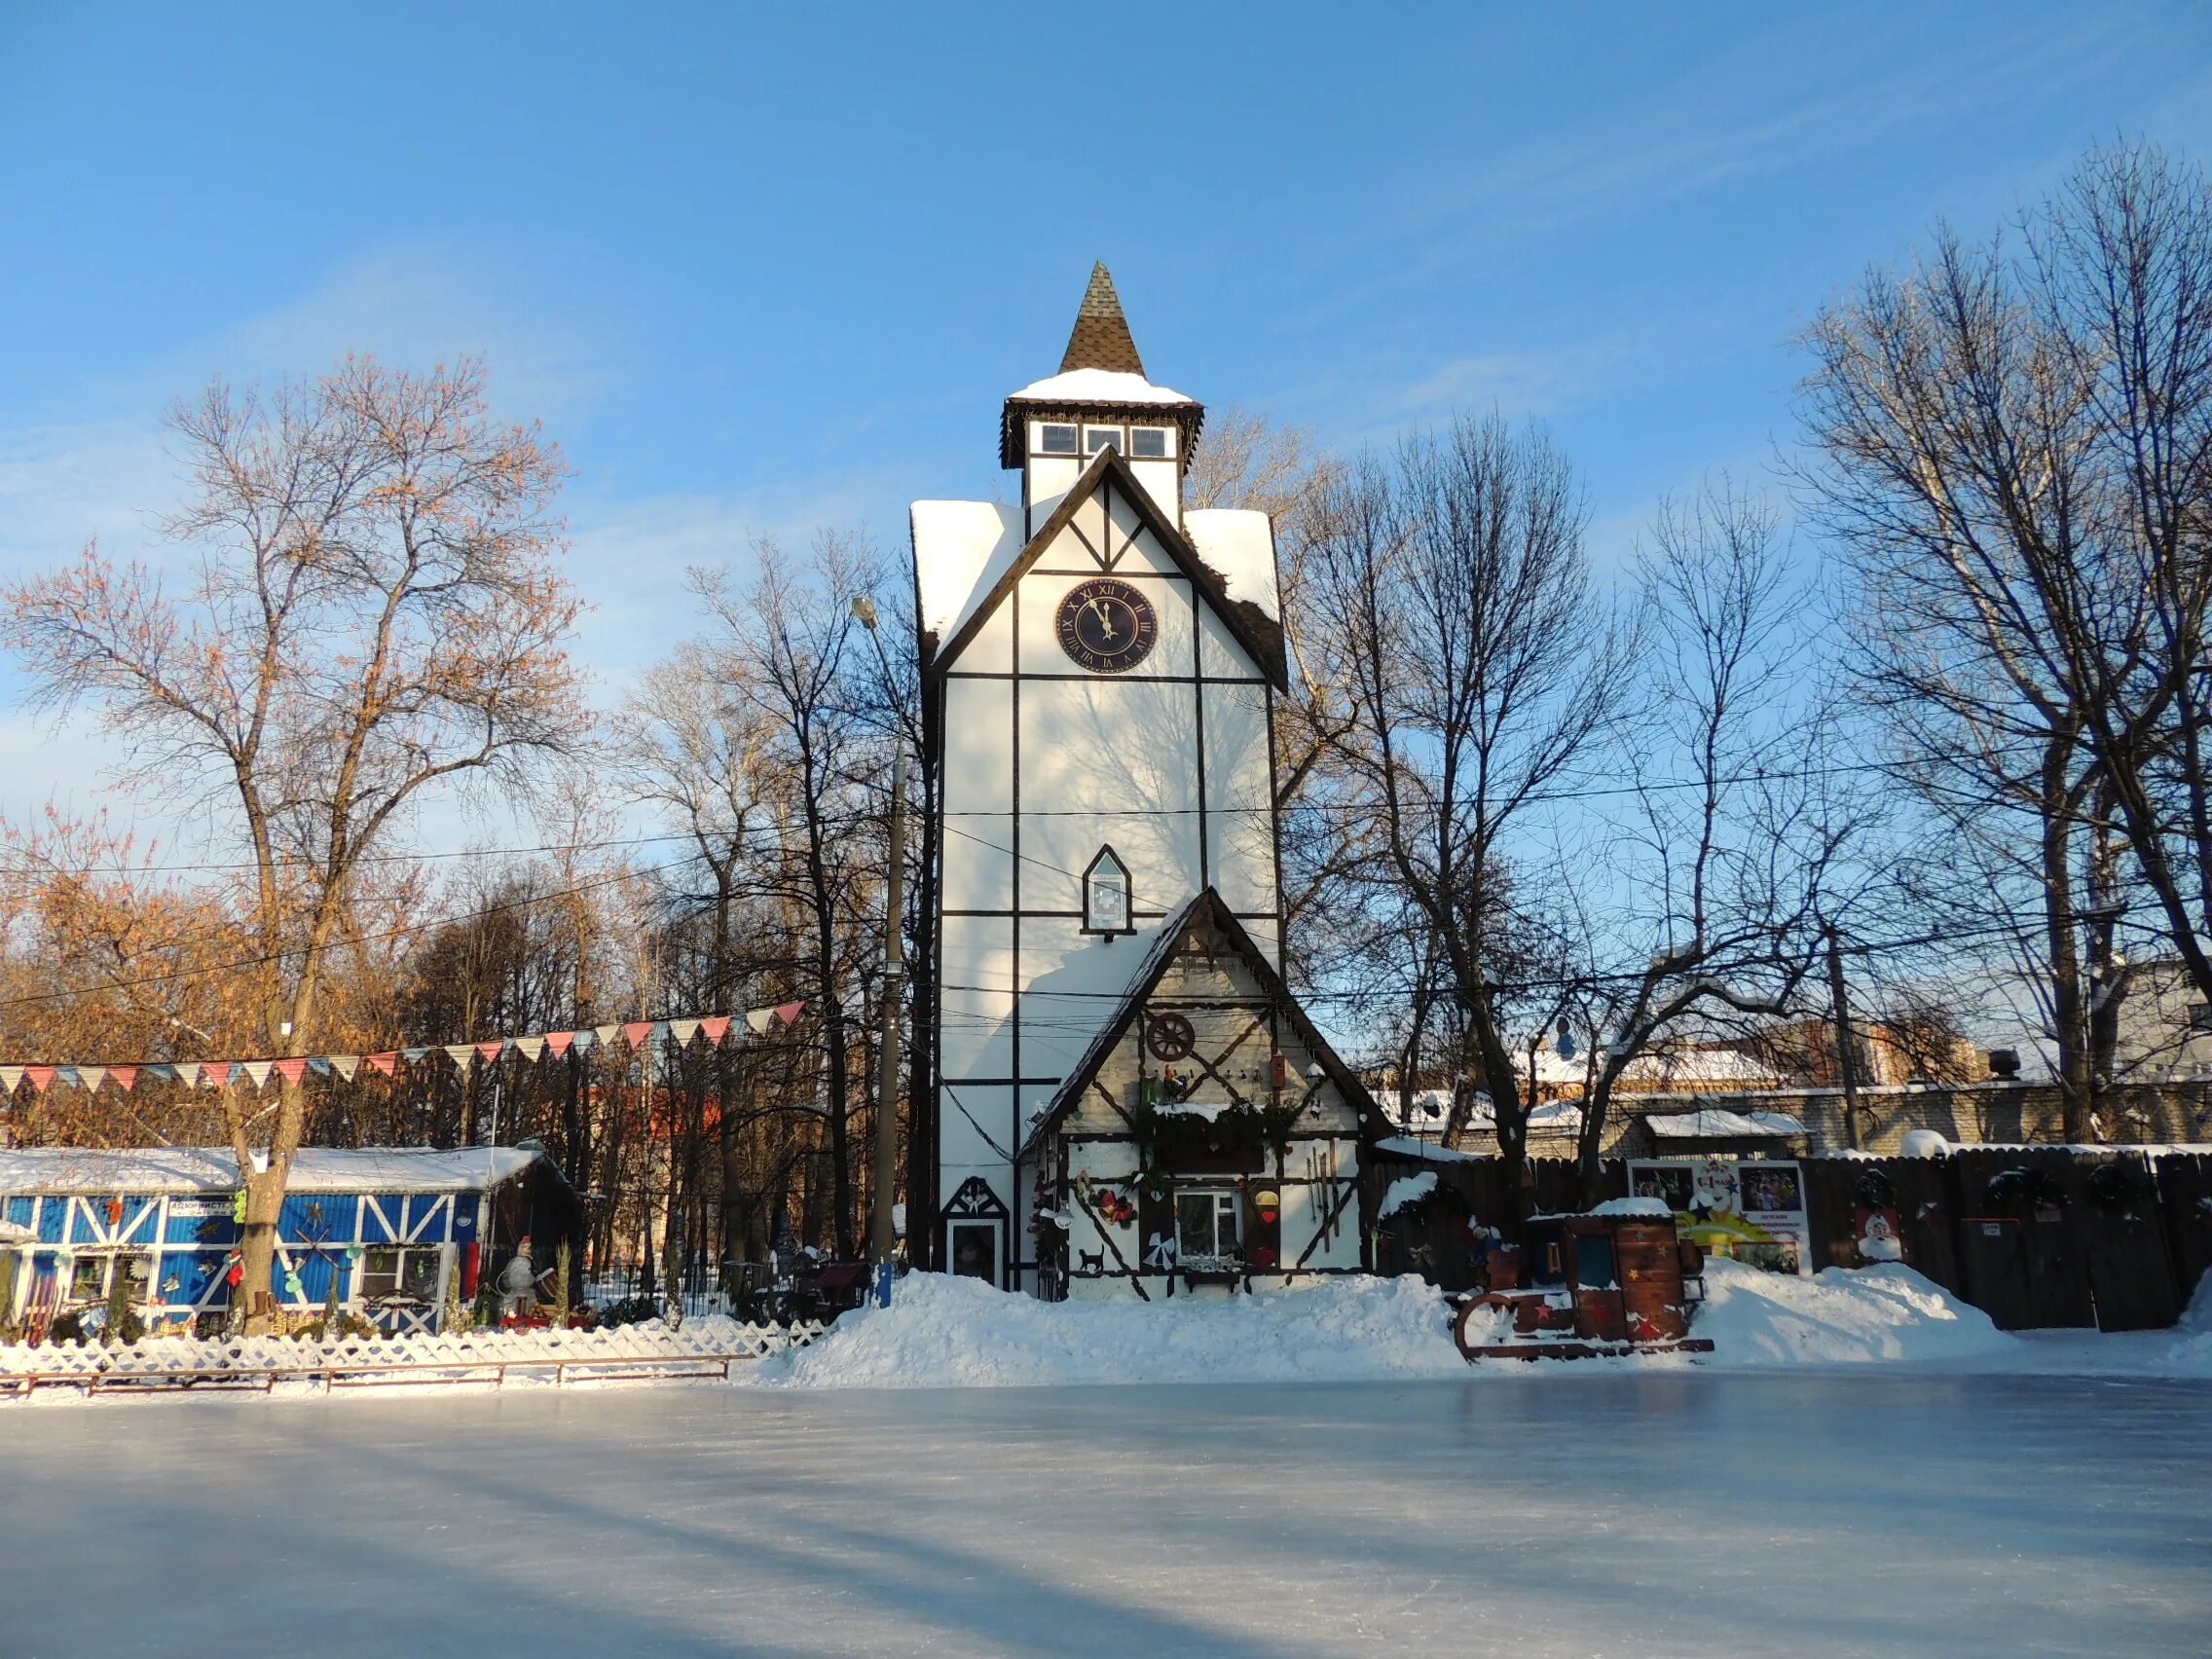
x=394 y=1228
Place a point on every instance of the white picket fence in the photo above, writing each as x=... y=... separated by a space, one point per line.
x=707 y=1347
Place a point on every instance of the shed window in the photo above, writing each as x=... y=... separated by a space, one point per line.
x=1150 y=442
x=1207 y=1227
x=400 y=1273
x=1106 y=895
x=1055 y=440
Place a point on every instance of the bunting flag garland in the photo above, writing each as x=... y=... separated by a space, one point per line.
x=643 y=1035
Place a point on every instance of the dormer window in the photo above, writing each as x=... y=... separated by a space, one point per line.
x=1149 y=443
x=1053 y=440
x=1097 y=438
x=1106 y=896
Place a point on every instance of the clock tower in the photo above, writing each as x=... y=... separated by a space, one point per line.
x=1100 y=667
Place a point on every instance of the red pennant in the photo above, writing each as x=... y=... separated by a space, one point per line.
x=559 y=1041
x=387 y=1062
x=291 y=1071
x=716 y=1026
x=493 y=1050
x=790 y=1012
x=39 y=1077
x=635 y=1032
x=124 y=1077
x=216 y=1072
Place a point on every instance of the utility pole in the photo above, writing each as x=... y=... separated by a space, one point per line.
x=1847 y=1066
x=883 y=1244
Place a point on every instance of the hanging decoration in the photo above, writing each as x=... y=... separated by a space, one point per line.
x=292 y=1069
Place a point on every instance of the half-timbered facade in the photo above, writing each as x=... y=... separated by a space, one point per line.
x=1101 y=666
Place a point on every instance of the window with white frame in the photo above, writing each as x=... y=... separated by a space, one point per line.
x=1106 y=907
x=1096 y=438
x=1208 y=1227
x=1149 y=443
x=1053 y=438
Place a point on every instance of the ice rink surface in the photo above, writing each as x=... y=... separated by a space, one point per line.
x=1591 y=1514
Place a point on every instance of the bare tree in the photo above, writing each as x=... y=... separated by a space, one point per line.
x=1454 y=605
x=376 y=612
x=2014 y=449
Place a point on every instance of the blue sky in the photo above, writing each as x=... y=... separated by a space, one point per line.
x=763 y=268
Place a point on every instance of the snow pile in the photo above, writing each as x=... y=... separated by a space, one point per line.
x=2191 y=1353
x=1839 y=1317
x=946 y=1332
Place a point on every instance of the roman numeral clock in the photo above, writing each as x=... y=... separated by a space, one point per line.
x=1107 y=626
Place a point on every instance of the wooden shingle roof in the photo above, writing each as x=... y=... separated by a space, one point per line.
x=1101 y=339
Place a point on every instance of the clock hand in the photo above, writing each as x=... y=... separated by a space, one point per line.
x=1104 y=616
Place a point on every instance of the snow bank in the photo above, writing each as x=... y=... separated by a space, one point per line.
x=944 y=1332
x=1839 y=1317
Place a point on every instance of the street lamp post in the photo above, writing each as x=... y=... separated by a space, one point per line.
x=883 y=1244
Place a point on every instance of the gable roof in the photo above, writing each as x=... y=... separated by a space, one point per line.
x=1102 y=338
x=109 y=1170
x=1258 y=632
x=1209 y=911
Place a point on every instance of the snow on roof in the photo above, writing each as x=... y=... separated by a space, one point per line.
x=1405 y=1146
x=1097 y=386
x=1239 y=545
x=1715 y=1124
x=1407 y=1189
x=26 y=1169
x=961 y=550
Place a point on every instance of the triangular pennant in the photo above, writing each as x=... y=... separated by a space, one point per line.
x=66 y=1076
x=320 y=1065
x=716 y=1027
x=605 y=1034
x=10 y=1078
x=493 y=1050
x=637 y=1031
x=257 y=1070
x=757 y=1021
x=124 y=1077
x=586 y=1041
x=414 y=1057
x=684 y=1030
x=387 y=1061
x=188 y=1072
x=346 y=1065
x=790 y=1012
x=91 y=1077
x=529 y=1047
x=162 y=1073
x=462 y=1054
x=216 y=1074
x=292 y=1070
x=559 y=1040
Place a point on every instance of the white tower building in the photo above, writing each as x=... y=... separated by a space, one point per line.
x=1100 y=669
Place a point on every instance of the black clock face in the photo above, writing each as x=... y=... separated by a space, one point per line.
x=1107 y=626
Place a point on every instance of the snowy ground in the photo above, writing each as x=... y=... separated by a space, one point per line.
x=1866 y=1467
x=1660 y=1513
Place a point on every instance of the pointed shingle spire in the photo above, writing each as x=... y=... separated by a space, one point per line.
x=1102 y=338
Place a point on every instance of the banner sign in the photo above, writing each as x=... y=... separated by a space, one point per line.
x=1751 y=1211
